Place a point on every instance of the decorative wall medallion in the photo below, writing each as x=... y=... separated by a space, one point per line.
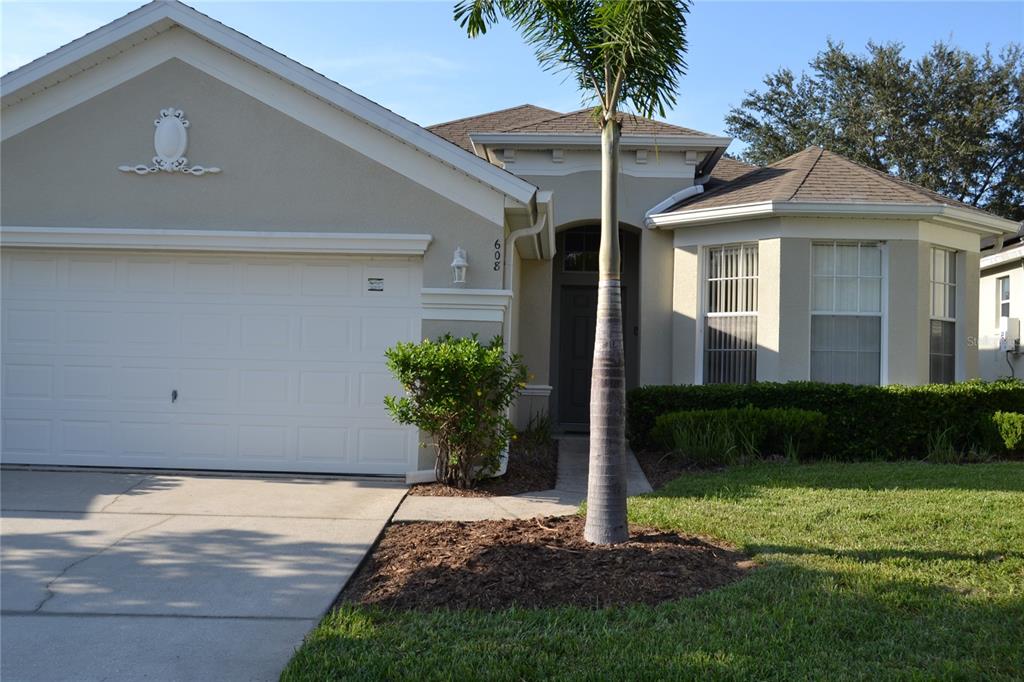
x=170 y=140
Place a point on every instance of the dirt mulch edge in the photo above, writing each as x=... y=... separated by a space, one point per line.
x=535 y=563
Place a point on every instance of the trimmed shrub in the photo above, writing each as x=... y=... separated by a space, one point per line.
x=458 y=391
x=711 y=437
x=863 y=422
x=1009 y=427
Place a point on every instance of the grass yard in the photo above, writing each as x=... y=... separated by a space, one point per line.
x=870 y=571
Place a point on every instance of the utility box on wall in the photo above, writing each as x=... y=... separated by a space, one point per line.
x=1010 y=333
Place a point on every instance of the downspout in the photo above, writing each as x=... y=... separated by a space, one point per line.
x=507 y=274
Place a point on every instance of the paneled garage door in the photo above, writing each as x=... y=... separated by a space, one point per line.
x=260 y=363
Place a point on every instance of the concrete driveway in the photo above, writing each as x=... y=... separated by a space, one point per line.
x=126 y=576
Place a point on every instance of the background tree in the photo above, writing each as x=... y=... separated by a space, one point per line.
x=627 y=52
x=951 y=121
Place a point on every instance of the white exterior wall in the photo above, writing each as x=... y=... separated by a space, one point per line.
x=992 y=359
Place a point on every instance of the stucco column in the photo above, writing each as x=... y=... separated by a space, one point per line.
x=532 y=306
x=794 y=311
x=907 y=319
x=968 y=269
x=685 y=300
x=656 y=263
x=769 y=280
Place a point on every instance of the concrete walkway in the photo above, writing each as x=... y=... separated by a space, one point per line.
x=129 y=576
x=569 y=491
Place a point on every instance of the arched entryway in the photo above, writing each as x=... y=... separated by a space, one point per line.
x=574 y=318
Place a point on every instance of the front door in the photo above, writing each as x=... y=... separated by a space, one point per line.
x=574 y=318
x=578 y=321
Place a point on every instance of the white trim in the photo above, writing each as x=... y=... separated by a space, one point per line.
x=541 y=390
x=671 y=201
x=475 y=305
x=829 y=228
x=216 y=240
x=157 y=16
x=992 y=260
x=578 y=140
x=962 y=218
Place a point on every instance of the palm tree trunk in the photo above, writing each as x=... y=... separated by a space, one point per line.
x=606 y=487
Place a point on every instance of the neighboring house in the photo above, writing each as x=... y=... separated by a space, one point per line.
x=207 y=247
x=1001 y=308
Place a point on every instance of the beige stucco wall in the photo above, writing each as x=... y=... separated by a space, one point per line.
x=908 y=301
x=685 y=295
x=278 y=174
x=531 y=305
x=578 y=195
x=794 y=356
x=657 y=264
x=967 y=322
x=991 y=356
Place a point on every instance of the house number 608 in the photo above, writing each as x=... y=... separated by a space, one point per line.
x=497 y=255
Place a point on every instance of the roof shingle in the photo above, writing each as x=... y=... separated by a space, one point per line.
x=815 y=175
x=582 y=121
x=527 y=118
x=457 y=131
x=727 y=170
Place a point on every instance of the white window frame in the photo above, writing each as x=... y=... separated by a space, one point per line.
x=954 y=293
x=702 y=301
x=1000 y=301
x=883 y=347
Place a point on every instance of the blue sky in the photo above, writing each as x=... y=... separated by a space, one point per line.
x=412 y=58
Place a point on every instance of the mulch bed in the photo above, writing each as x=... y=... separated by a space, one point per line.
x=540 y=562
x=531 y=468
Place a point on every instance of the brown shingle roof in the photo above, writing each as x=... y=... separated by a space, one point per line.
x=815 y=174
x=582 y=121
x=458 y=131
x=727 y=170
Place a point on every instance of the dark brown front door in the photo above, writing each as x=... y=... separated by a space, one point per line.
x=579 y=319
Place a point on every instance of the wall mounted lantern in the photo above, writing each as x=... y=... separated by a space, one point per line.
x=459 y=266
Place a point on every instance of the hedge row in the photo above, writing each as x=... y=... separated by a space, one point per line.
x=864 y=422
x=736 y=434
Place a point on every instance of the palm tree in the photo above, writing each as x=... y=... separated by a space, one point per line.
x=620 y=52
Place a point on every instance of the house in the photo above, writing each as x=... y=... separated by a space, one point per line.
x=207 y=247
x=1001 y=307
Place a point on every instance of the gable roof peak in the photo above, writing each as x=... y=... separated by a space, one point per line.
x=122 y=35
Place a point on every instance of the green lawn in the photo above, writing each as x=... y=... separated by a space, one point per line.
x=870 y=571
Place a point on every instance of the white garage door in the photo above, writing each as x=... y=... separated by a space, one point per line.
x=248 y=362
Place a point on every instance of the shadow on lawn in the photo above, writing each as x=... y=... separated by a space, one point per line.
x=783 y=622
x=742 y=482
x=875 y=555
